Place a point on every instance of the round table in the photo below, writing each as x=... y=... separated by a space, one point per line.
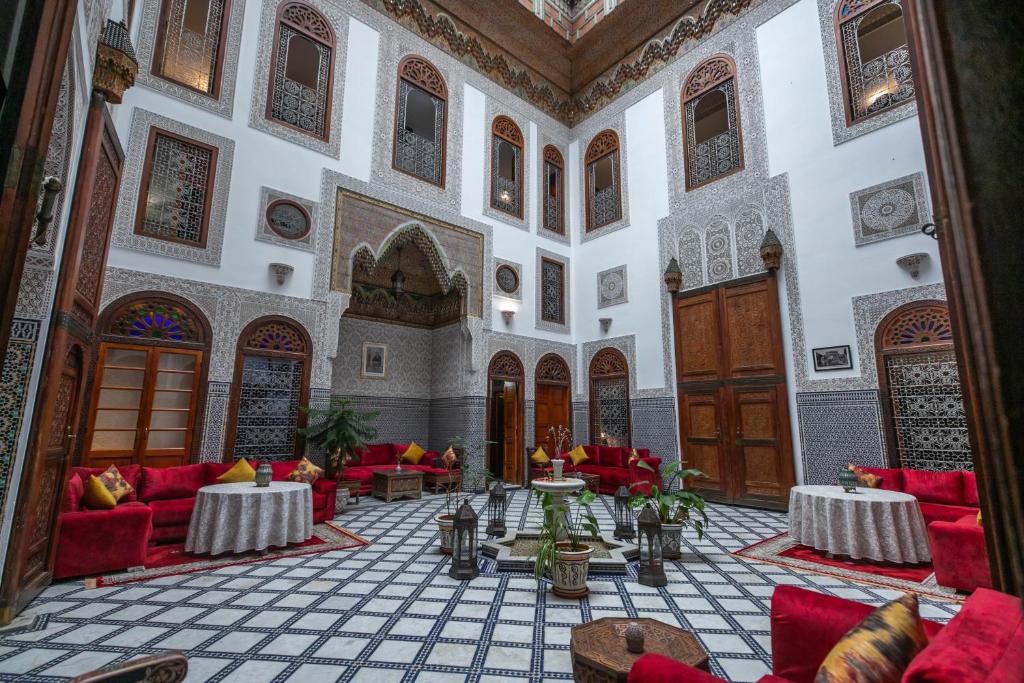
x=240 y=517
x=871 y=524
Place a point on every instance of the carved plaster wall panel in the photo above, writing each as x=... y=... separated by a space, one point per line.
x=217 y=398
x=585 y=132
x=265 y=233
x=494 y=109
x=891 y=209
x=612 y=287
x=544 y=290
x=529 y=350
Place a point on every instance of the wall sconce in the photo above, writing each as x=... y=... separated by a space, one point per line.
x=606 y=323
x=281 y=272
x=673 y=276
x=507 y=316
x=912 y=263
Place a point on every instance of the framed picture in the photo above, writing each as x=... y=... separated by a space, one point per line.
x=832 y=358
x=375 y=360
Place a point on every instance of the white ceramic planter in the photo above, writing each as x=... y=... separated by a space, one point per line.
x=671 y=541
x=445 y=526
x=556 y=468
x=570 y=572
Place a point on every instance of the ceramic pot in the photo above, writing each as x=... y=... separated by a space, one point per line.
x=445 y=526
x=263 y=474
x=556 y=468
x=671 y=541
x=570 y=571
x=341 y=501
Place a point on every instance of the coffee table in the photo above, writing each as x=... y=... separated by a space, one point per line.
x=591 y=482
x=599 y=654
x=240 y=517
x=391 y=484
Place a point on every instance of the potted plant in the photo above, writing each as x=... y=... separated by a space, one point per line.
x=342 y=432
x=562 y=554
x=452 y=489
x=561 y=437
x=676 y=509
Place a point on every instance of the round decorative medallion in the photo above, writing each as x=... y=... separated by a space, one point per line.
x=888 y=209
x=288 y=220
x=613 y=285
x=507 y=279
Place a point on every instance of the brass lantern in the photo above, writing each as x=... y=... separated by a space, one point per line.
x=496 y=502
x=464 y=560
x=623 y=515
x=673 y=276
x=652 y=563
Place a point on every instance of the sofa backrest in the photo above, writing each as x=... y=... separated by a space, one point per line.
x=378 y=454
x=892 y=479
x=612 y=456
x=163 y=483
x=131 y=474
x=970 y=482
x=280 y=469
x=945 y=488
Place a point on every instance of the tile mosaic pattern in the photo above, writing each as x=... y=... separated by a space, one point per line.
x=891 y=209
x=389 y=611
x=837 y=428
x=14 y=381
x=612 y=287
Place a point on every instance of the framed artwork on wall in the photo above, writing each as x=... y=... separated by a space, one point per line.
x=375 y=360
x=832 y=358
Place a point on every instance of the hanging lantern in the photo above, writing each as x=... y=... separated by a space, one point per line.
x=623 y=515
x=496 y=502
x=464 y=561
x=652 y=564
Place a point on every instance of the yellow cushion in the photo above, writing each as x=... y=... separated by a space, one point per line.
x=979 y=517
x=97 y=496
x=878 y=649
x=413 y=454
x=242 y=471
x=305 y=472
x=578 y=455
x=115 y=483
x=539 y=457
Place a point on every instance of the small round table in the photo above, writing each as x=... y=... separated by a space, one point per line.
x=240 y=517
x=871 y=524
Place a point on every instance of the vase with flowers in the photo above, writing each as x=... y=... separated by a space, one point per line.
x=453 y=487
x=561 y=437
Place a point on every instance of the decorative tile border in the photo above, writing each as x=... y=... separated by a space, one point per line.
x=131 y=180
x=612 y=287
x=263 y=230
x=217 y=398
x=145 y=46
x=493 y=110
x=542 y=324
x=891 y=209
x=518 y=268
x=586 y=133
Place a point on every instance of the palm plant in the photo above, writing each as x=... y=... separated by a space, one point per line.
x=675 y=507
x=558 y=520
x=341 y=431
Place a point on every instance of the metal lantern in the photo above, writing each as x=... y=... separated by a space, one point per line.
x=264 y=473
x=848 y=480
x=652 y=564
x=496 y=503
x=623 y=515
x=464 y=561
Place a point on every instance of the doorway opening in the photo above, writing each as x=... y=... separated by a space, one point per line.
x=506 y=454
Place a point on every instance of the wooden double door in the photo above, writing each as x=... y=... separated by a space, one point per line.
x=733 y=413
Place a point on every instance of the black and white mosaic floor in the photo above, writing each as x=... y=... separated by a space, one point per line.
x=389 y=612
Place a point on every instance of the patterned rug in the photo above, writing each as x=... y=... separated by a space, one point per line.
x=783 y=551
x=172 y=560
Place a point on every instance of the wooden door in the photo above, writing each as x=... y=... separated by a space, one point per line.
x=551 y=410
x=761 y=461
x=512 y=448
x=700 y=416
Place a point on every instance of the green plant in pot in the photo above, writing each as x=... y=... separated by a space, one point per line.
x=562 y=554
x=676 y=509
x=342 y=431
x=452 y=489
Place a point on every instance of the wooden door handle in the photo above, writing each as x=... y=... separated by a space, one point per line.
x=69 y=438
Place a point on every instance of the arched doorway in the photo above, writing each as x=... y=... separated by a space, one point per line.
x=505 y=377
x=610 y=423
x=553 y=398
x=926 y=426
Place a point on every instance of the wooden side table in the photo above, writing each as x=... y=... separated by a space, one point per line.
x=591 y=482
x=599 y=654
x=391 y=484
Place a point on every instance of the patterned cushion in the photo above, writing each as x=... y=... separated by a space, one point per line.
x=73 y=494
x=578 y=455
x=878 y=649
x=242 y=471
x=539 y=457
x=413 y=454
x=865 y=478
x=116 y=484
x=306 y=472
x=97 y=496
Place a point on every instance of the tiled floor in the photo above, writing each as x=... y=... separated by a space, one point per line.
x=389 y=612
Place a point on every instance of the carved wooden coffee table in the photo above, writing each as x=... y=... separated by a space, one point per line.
x=591 y=482
x=599 y=654
x=391 y=484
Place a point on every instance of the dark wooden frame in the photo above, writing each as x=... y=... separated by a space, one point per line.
x=333 y=46
x=147 y=177
x=593 y=379
x=684 y=99
x=241 y=351
x=493 y=375
x=290 y=202
x=849 y=357
x=505 y=266
x=552 y=156
x=561 y=291
x=516 y=139
x=593 y=155
x=158 y=50
x=440 y=94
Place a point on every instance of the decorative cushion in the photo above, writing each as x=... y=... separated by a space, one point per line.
x=161 y=483
x=306 y=472
x=865 y=478
x=892 y=479
x=449 y=459
x=116 y=484
x=878 y=649
x=979 y=517
x=539 y=457
x=242 y=471
x=413 y=454
x=934 y=487
x=97 y=496
x=73 y=493
x=970 y=481
x=578 y=455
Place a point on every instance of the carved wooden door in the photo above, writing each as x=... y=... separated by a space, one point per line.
x=700 y=417
x=551 y=410
x=512 y=449
x=761 y=460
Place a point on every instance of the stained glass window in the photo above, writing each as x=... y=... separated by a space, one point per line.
x=876 y=57
x=554 y=191
x=552 y=292
x=420 y=120
x=155 y=320
x=177 y=184
x=507 y=166
x=711 y=122
x=189 y=43
x=300 y=83
x=604 y=193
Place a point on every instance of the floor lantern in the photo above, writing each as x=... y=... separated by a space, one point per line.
x=652 y=564
x=464 y=561
x=623 y=514
x=496 y=503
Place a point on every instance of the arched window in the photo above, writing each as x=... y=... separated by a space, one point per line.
x=301 y=70
x=189 y=46
x=610 y=423
x=421 y=120
x=604 y=194
x=554 y=190
x=147 y=391
x=271 y=382
x=553 y=396
x=711 y=122
x=874 y=57
x=917 y=371
x=507 y=166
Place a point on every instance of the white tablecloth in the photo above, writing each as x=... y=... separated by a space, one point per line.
x=872 y=524
x=240 y=517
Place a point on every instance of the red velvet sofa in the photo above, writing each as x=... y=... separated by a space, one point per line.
x=945 y=496
x=959 y=555
x=158 y=510
x=383 y=456
x=983 y=643
x=611 y=463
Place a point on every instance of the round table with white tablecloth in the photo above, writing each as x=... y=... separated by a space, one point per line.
x=868 y=524
x=240 y=517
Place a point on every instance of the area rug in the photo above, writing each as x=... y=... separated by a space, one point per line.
x=170 y=559
x=783 y=551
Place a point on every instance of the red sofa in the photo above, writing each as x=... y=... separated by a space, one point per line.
x=959 y=555
x=158 y=510
x=983 y=643
x=383 y=456
x=945 y=496
x=611 y=463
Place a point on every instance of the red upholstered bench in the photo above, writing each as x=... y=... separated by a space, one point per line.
x=611 y=463
x=945 y=496
x=959 y=555
x=384 y=456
